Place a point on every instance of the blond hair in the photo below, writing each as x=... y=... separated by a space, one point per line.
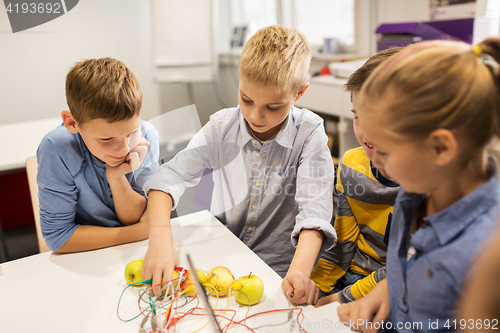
x=102 y=88
x=276 y=56
x=438 y=84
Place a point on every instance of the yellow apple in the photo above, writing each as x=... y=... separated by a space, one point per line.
x=188 y=285
x=133 y=272
x=175 y=275
x=222 y=279
x=252 y=286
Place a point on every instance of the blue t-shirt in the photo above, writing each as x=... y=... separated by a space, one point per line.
x=423 y=290
x=72 y=184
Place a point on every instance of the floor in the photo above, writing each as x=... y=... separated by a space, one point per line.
x=21 y=242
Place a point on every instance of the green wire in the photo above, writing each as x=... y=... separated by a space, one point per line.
x=120 y=299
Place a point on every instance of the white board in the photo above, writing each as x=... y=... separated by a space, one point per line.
x=183 y=40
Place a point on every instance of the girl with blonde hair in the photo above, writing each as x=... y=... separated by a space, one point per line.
x=430 y=111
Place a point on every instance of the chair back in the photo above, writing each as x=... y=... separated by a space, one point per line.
x=31 y=171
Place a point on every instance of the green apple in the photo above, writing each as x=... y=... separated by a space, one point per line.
x=221 y=279
x=188 y=284
x=252 y=286
x=133 y=272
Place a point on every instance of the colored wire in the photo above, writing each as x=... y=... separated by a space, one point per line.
x=216 y=303
x=120 y=299
x=172 y=316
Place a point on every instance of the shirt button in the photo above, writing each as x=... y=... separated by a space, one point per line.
x=404 y=300
x=254 y=207
x=257 y=154
x=253 y=141
x=430 y=272
x=257 y=184
x=250 y=228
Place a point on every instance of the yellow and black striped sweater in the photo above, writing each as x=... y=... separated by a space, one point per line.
x=365 y=203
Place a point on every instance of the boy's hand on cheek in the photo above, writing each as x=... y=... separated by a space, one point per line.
x=132 y=162
x=304 y=289
x=137 y=154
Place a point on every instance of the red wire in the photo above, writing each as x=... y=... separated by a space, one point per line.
x=231 y=320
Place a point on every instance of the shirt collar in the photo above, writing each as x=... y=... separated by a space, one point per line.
x=454 y=219
x=284 y=137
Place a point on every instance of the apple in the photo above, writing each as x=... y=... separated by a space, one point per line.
x=252 y=286
x=188 y=285
x=221 y=279
x=175 y=275
x=133 y=272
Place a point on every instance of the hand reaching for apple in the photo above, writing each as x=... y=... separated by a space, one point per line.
x=299 y=288
x=159 y=263
x=133 y=161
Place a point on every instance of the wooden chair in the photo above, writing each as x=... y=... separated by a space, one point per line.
x=31 y=170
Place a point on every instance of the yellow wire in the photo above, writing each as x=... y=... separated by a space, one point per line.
x=227 y=306
x=216 y=304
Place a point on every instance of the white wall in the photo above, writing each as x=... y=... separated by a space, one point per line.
x=392 y=11
x=34 y=63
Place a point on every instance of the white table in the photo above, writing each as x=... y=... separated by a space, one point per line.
x=79 y=292
x=18 y=141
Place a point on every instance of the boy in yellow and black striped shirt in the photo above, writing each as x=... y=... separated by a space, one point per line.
x=349 y=270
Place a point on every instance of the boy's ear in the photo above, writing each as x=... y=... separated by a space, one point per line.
x=69 y=122
x=444 y=145
x=302 y=90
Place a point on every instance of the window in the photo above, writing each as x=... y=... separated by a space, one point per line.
x=253 y=14
x=320 y=19
x=316 y=19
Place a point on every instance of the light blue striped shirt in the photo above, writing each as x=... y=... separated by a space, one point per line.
x=264 y=192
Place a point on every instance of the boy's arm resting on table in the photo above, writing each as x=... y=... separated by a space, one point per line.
x=313 y=230
x=161 y=256
x=129 y=205
x=90 y=237
x=357 y=314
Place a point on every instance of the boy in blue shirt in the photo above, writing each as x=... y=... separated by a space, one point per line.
x=90 y=171
x=272 y=169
